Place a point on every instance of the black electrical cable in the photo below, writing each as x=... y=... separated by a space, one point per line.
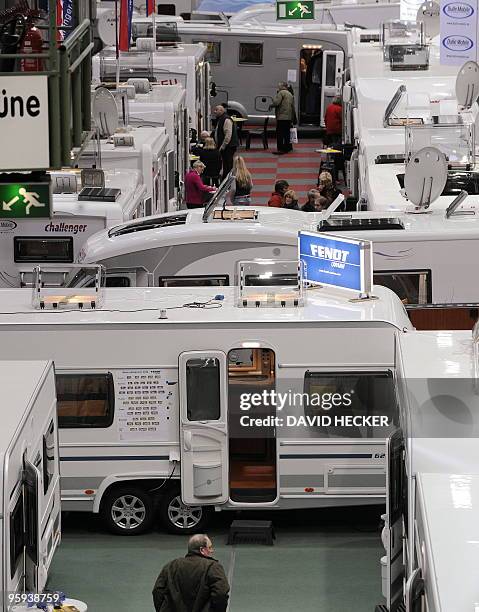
x=209 y=304
x=167 y=479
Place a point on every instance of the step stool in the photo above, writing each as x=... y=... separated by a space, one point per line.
x=251 y=532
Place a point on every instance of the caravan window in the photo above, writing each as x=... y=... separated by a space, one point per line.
x=16 y=535
x=351 y=394
x=251 y=53
x=203 y=389
x=412 y=286
x=85 y=400
x=194 y=281
x=32 y=249
x=213 y=50
x=48 y=456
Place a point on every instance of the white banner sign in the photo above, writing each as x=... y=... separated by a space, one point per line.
x=458 y=32
x=24 y=123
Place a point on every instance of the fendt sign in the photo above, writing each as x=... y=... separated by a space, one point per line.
x=24 y=134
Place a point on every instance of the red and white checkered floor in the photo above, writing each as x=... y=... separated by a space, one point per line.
x=299 y=168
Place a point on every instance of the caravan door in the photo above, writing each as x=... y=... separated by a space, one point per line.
x=331 y=80
x=203 y=428
x=395 y=505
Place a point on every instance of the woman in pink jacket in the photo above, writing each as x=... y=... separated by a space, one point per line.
x=194 y=186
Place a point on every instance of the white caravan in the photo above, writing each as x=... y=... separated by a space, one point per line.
x=178 y=64
x=364 y=13
x=431 y=522
x=310 y=57
x=165 y=106
x=148 y=153
x=378 y=102
x=150 y=390
x=417 y=256
x=25 y=243
x=30 y=478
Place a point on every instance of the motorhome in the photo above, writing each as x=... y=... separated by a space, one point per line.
x=78 y=211
x=165 y=106
x=389 y=113
x=365 y=14
x=311 y=58
x=433 y=476
x=417 y=256
x=152 y=417
x=30 y=478
x=173 y=64
x=144 y=149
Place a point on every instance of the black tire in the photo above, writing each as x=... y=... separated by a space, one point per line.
x=137 y=514
x=178 y=518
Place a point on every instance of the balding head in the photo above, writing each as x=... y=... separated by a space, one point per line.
x=200 y=543
x=219 y=110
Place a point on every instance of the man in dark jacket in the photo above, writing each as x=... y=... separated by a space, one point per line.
x=226 y=137
x=195 y=583
x=283 y=103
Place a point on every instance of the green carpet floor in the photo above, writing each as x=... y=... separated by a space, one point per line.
x=322 y=561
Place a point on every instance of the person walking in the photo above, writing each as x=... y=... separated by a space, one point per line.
x=211 y=158
x=333 y=121
x=276 y=199
x=195 y=189
x=194 y=583
x=283 y=103
x=240 y=193
x=226 y=137
x=290 y=200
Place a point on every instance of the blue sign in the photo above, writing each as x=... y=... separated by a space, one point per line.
x=337 y=262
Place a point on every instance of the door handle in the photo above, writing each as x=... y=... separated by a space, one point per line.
x=187 y=440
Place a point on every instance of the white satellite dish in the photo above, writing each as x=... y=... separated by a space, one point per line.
x=105 y=112
x=425 y=177
x=106 y=25
x=429 y=13
x=467 y=84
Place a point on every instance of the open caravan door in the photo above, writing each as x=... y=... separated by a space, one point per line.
x=395 y=498
x=331 y=78
x=203 y=428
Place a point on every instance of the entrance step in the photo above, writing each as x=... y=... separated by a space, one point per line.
x=251 y=532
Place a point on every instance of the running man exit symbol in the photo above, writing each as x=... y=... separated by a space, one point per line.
x=295 y=10
x=28 y=200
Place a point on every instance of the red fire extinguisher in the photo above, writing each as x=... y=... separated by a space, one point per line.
x=32 y=43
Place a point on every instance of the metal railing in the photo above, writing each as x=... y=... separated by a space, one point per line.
x=67 y=64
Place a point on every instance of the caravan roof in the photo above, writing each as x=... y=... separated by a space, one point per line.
x=275 y=226
x=142 y=307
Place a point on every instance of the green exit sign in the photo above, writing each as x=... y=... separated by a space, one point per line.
x=19 y=200
x=295 y=10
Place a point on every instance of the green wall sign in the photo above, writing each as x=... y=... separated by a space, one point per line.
x=24 y=200
x=295 y=10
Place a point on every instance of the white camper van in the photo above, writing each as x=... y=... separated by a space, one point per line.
x=78 y=212
x=30 y=479
x=165 y=106
x=417 y=256
x=310 y=57
x=431 y=529
x=150 y=399
x=178 y=64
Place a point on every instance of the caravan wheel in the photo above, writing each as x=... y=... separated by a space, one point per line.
x=179 y=518
x=128 y=511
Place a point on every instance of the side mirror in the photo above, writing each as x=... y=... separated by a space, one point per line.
x=213 y=92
